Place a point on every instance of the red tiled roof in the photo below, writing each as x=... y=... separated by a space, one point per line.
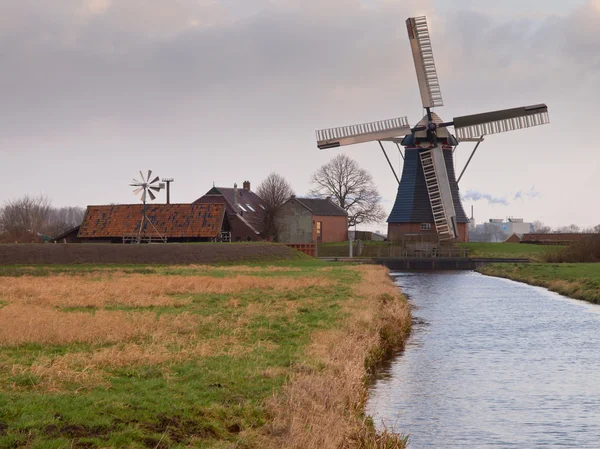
x=170 y=220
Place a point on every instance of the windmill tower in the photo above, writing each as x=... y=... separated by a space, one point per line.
x=428 y=198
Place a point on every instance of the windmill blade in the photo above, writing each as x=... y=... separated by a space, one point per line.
x=156 y=189
x=149 y=174
x=136 y=184
x=144 y=196
x=136 y=191
x=440 y=195
x=478 y=125
x=366 y=132
x=154 y=180
x=152 y=196
x=420 y=43
x=142 y=176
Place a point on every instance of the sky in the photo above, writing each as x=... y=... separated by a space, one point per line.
x=222 y=91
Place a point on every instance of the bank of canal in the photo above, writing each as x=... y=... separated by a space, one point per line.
x=493 y=363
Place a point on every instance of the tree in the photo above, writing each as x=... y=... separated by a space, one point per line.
x=351 y=187
x=26 y=218
x=274 y=191
x=571 y=229
x=540 y=228
x=22 y=219
x=63 y=219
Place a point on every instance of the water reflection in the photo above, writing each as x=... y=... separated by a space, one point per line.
x=493 y=363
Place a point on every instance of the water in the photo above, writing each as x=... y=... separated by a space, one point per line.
x=492 y=363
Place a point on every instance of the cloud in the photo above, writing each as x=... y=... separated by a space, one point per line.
x=474 y=195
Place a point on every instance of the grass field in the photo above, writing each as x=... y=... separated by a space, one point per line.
x=249 y=356
x=580 y=281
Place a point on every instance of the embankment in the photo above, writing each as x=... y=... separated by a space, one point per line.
x=168 y=254
x=577 y=280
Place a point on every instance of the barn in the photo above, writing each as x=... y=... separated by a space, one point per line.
x=166 y=222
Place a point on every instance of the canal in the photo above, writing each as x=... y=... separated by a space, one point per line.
x=492 y=363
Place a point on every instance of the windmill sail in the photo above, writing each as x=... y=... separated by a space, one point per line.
x=420 y=43
x=477 y=125
x=366 y=132
x=440 y=195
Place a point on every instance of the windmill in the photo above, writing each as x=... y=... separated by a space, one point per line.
x=428 y=198
x=146 y=188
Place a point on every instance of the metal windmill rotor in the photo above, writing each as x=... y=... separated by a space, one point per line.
x=430 y=137
x=146 y=187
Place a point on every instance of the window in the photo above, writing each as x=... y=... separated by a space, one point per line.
x=425 y=227
x=250 y=207
x=262 y=207
x=242 y=207
x=319 y=231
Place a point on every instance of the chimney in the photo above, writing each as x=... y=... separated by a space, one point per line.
x=235 y=194
x=246 y=185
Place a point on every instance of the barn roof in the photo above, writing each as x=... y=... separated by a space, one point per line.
x=322 y=206
x=250 y=207
x=170 y=220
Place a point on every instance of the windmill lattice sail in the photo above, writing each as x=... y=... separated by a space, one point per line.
x=440 y=195
x=477 y=125
x=420 y=43
x=366 y=132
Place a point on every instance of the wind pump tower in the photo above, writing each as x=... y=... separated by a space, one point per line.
x=428 y=198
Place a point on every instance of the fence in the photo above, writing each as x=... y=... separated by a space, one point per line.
x=418 y=250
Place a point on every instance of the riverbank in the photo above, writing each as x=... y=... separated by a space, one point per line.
x=253 y=356
x=578 y=280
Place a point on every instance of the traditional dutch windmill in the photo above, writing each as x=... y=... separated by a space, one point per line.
x=428 y=199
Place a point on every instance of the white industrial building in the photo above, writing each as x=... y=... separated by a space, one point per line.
x=498 y=229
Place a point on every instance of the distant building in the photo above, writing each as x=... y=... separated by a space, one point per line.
x=498 y=230
x=514 y=238
x=555 y=238
x=175 y=222
x=245 y=211
x=312 y=220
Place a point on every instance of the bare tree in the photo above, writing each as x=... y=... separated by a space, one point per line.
x=597 y=229
x=352 y=188
x=62 y=219
x=541 y=228
x=571 y=229
x=27 y=218
x=24 y=218
x=274 y=191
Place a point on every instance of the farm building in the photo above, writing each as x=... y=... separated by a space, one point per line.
x=554 y=238
x=173 y=222
x=244 y=209
x=312 y=220
x=514 y=238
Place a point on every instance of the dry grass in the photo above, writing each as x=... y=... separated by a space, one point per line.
x=136 y=290
x=33 y=324
x=322 y=408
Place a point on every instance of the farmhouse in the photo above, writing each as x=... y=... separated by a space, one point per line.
x=173 y=222
x=244 y=208
x=312 y=220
